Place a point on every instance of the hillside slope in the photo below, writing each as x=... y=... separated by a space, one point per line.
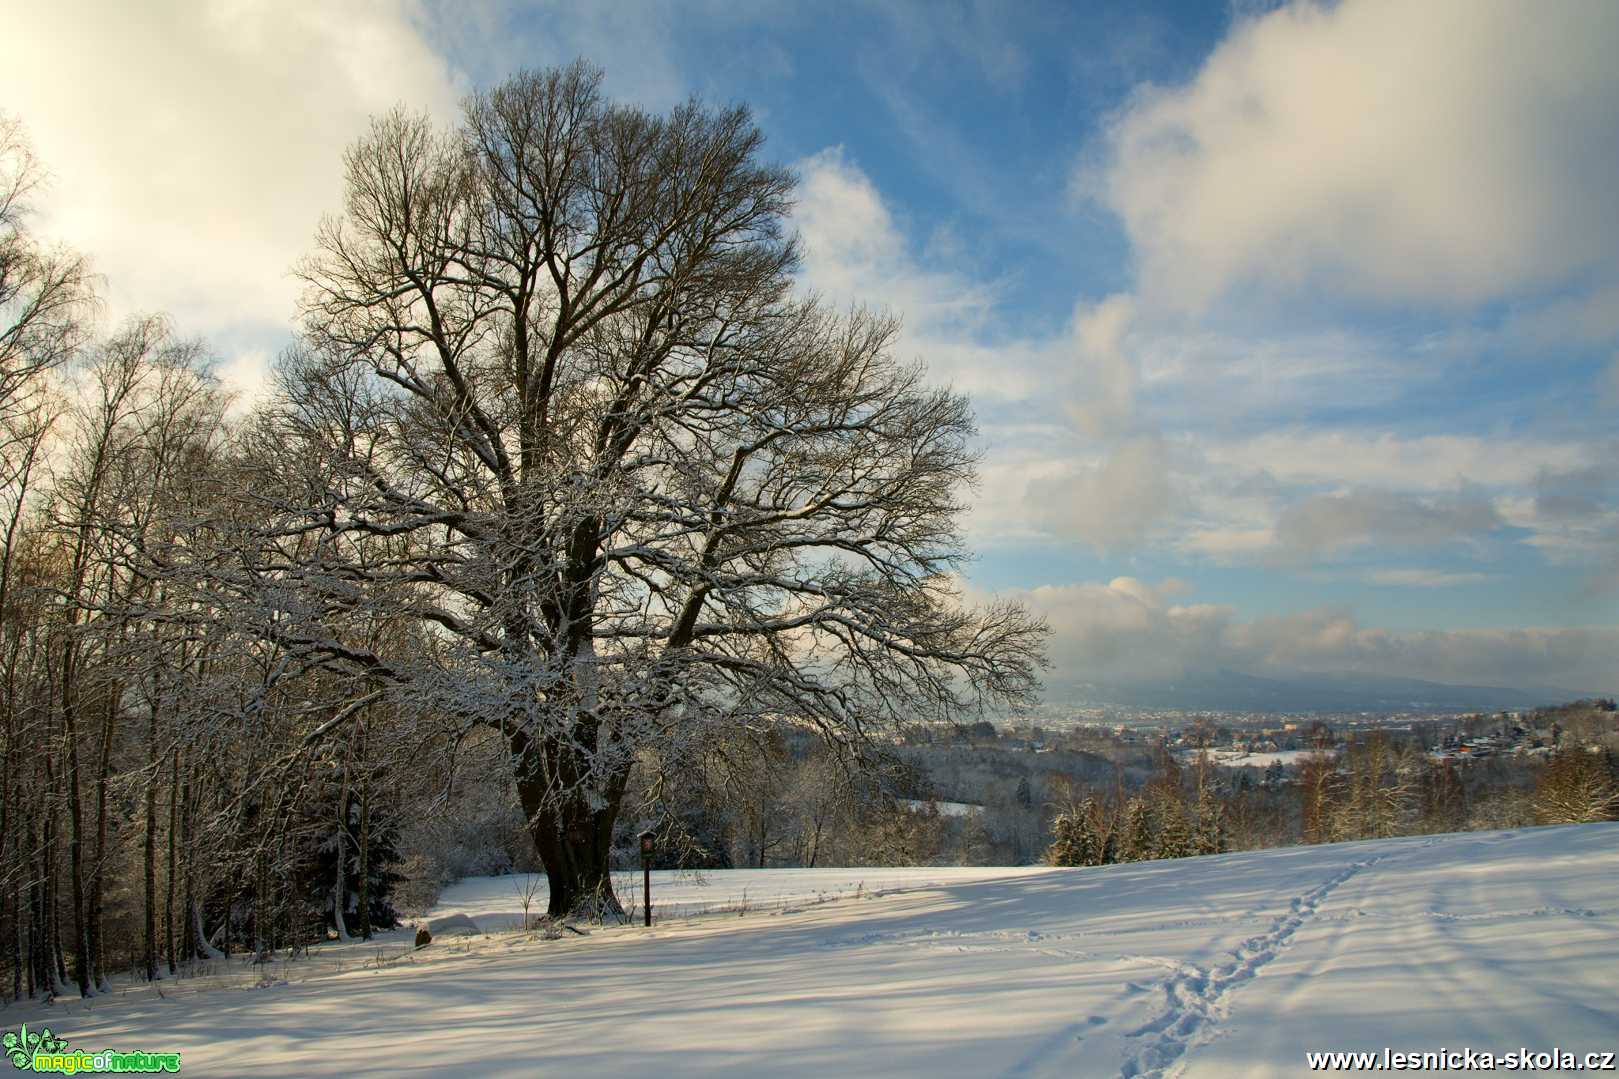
x=1238 y=964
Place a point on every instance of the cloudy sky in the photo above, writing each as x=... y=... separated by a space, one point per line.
x=1293 y=331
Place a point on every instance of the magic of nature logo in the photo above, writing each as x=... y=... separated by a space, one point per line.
x=42 y=1051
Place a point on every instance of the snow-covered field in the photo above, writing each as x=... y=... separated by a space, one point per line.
x=1288 y=758
x=494 y=904
x=1233 y=965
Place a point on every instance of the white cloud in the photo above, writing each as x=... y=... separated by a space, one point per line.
x=1130 y=630
x=1264 y=374
x=1324 y=525
x=1423 y=578
x=194 y=147
x=1111 y=504
x=1446 y=151
x=1228 y=544
x=1580 y=659
x=1388 y=459
x=246 y=377
x=1590 y=317
x=1106 y=400
x=1041 y=477
x=856 y=253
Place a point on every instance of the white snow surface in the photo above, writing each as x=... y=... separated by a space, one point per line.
x=945 y=809
x=495 y=903
x=1288 y=758
x=1219 y=966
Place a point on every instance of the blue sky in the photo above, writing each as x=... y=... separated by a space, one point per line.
x=1293 y=331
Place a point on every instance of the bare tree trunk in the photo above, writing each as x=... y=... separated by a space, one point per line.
x=261 y=903
x=364 y=899
x=198 y=936
x=149 y=955
x=174 y=810
x=56 y=965
x=93 y=913
x=573 y=840
x=188 y=942
x=75 y=839
x=23 y=826
x=339 y=895
x=8 y=825
x=36 y=924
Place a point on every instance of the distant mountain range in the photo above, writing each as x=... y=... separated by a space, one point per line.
x=1233 y=691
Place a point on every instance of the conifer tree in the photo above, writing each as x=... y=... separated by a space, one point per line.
x=1174 y=838
x=1140 y=830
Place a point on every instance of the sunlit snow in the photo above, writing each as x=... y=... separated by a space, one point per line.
x=1230 y=965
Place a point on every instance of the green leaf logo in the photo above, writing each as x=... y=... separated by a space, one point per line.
x=16 y=1047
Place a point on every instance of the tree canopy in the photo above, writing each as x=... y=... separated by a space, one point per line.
x=564 y=454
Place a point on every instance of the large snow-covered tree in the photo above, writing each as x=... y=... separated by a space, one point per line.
x=560 y=420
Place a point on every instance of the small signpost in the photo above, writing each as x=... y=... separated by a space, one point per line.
x=647 y=839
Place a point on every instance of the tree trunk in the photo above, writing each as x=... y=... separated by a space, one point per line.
x=339 y=892
x=10 y=901
x=364 y=899
x=24 y=902
x=92 y=914
x=174 y=813
x=150 y=854
x=261 y=904
x=573 y=840
x=55 y=964
x=188 y=949
x=36 y=926
x=75 y=817
x=199 y=938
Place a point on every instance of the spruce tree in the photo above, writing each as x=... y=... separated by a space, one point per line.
x=1210 y=834
x=1174 y=839
x=317 y=880
x=1140 y=838
x=1075 y=841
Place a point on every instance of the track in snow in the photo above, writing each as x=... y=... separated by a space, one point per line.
x=1196 y=999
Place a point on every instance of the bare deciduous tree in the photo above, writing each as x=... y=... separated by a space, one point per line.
x=1576 y=787
x=558 y=405
x=44 y=293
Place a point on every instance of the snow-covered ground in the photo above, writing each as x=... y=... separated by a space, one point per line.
x=944 y=809
x=494 y=903
x=1233 y=965
x=1288 y=758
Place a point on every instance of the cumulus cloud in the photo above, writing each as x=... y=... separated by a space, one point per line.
x=1333 y=641
x=1111 y=504
x=1121 y=371
x=1131 y=630
x=194 y=147
x=1446 y=151
x=1107 y=377
x=1329 y=524
x=1045 y=399
x=1385 y=458
x=856 y=253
